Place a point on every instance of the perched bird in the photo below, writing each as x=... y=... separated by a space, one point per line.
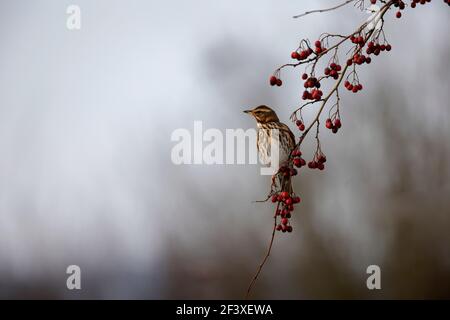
x=266 y=121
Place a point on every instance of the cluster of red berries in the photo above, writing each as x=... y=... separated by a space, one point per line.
x=287 y=201
x=302 y=55
x=333 y=126
x=319 y=49
x=298 y=161
x=318 y=162
x=311 y=82
x=376 y=48
x=333 y=70
x=415 y=2
x=358 y=40
x=359 y=59
x=275 y=81
x=355 y=87
x=401 y=6
x=300 y=125
x=288 y=172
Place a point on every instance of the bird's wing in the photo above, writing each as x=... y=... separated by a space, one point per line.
x=286 y=129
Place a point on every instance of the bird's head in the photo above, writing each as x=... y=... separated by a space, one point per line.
x=263 y=114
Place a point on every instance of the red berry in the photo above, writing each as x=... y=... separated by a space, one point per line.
x=274 y=198
x=399 y=14
x=322 y=159
x=337 y=123
x=388 y=47
x=304 y=76
x=328 y=124
x=297 y=163
x=295 y=55
x=288 y=201
x=279 y=82
x=279 y=227
x=273 y=80
x=284 y=194
x=318 y=44
x=296 y=199
x=284 y=221
x=289 y=229
x=301 y=127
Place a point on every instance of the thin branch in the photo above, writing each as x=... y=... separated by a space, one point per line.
x=266 y=256
x=323 y=10
x=339 y=80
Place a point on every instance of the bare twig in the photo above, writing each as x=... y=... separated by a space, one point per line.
x=323 y=10
x=338 y=82
x=266 y=256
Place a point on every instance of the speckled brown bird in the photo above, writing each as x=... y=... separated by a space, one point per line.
x=266 y=121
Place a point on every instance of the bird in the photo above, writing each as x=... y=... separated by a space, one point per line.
x=267 y=120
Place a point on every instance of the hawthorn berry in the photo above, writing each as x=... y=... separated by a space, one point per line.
x=273 y=80
x=296 y=199
x=337 y=124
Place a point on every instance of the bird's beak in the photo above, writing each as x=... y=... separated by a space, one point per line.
x=247 y=111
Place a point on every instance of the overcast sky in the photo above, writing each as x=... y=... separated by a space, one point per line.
x=86 y=118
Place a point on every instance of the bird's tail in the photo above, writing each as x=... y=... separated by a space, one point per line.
x=286 y=183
